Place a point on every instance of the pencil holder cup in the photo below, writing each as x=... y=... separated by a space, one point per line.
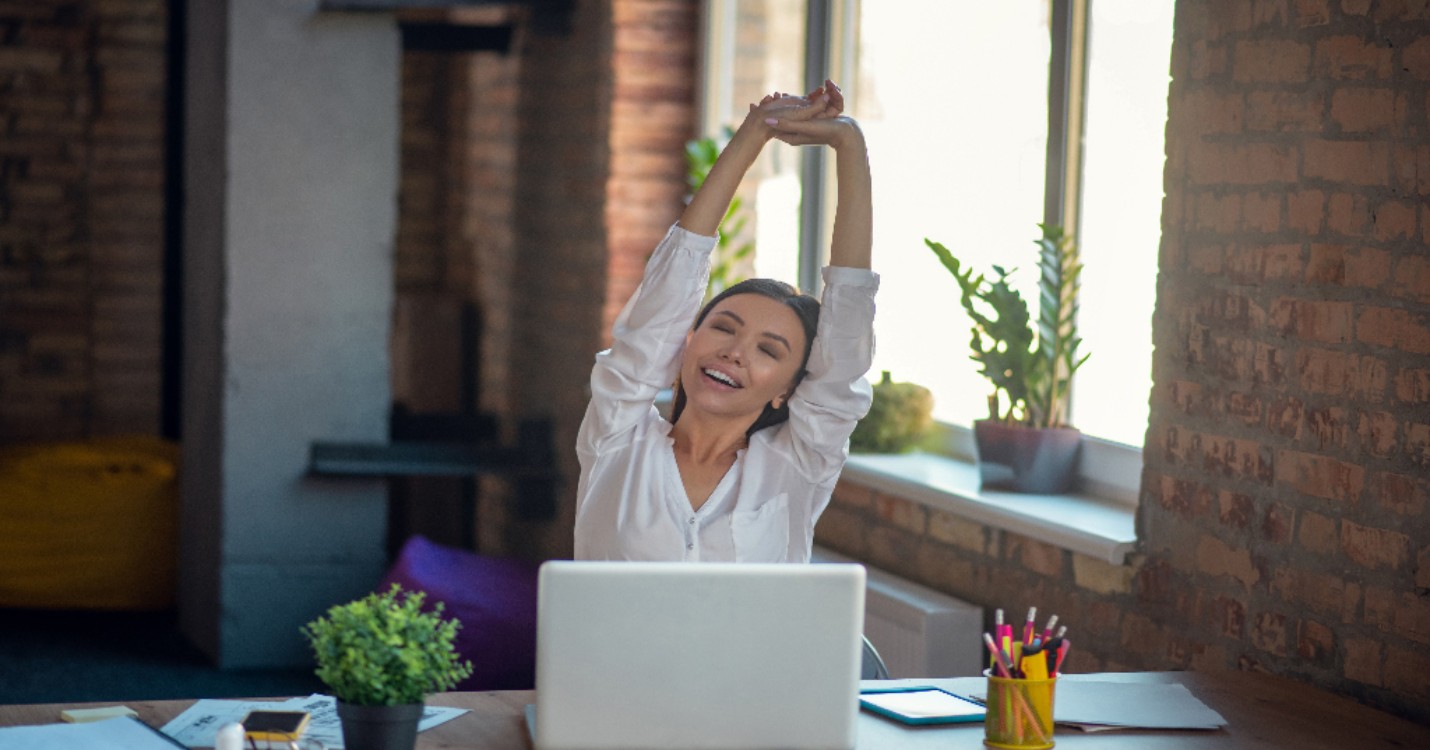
x=1019 y=713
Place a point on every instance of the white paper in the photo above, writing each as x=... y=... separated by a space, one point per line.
x=121 y=733
x=197 y=726
x=1130 y=704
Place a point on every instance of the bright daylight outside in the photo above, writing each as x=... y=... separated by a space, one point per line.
x=955 y=109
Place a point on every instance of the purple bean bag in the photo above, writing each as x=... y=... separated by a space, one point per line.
x=495 y=600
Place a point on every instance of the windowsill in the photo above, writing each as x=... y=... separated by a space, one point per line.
x=1100 y=527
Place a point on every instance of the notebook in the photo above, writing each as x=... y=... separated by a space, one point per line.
x=708 y=656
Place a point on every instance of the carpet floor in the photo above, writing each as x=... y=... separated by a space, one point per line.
x=63 y=657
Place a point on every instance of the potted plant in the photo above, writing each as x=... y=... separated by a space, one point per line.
x=380 y=656
x=1025 y=444
x=898 y=420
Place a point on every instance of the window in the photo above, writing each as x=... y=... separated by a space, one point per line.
x=956 y=110
x=1121 y=226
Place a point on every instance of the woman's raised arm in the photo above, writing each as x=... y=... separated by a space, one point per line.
x=708 y=206
x=853 y=241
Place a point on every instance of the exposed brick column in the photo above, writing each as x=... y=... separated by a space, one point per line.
x=652 y=116
x=1285 y=493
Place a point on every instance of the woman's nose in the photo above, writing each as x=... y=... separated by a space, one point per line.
x=734 y=352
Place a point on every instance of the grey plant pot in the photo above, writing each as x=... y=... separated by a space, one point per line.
x=1024 y=459
x=379 y=727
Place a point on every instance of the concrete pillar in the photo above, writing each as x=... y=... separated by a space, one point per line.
x=291 y=173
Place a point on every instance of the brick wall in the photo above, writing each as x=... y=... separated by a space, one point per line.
x=996 y=568
x=1284 y=495
x=1285 y=506
x=81 y=217
x=652 y=116
x=605 y=104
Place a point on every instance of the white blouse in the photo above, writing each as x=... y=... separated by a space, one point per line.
x=631 y=503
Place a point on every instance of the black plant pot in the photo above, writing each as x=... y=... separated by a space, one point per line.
x=379 y=727
x=1026 y=459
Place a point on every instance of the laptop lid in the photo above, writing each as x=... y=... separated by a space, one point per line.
x=709 y=656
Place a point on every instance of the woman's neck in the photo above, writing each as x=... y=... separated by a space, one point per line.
x=706 y=440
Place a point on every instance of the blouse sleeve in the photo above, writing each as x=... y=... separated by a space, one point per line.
x=834 y=395
x=647 y=339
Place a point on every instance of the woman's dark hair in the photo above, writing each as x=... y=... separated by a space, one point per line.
x=805 y=307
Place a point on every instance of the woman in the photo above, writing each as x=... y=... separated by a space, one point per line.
x=766 y=397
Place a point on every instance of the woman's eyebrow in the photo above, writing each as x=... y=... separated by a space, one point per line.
x=779 y=338
x=729 y=314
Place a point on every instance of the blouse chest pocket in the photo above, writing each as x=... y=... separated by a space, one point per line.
x=762 y=534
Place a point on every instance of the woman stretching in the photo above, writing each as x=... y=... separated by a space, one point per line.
x=769 y=383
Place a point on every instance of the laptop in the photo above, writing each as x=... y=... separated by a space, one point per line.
x=702 y=656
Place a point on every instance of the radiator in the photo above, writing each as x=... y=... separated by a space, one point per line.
x=919 y=632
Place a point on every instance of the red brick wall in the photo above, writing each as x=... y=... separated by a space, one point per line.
x=1284 y=496
x=81 y=217
x=604 y=107
x=652 y=116
x=1285 y=506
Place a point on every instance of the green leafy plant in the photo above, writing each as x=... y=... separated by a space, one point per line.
x=1032 y=366
x=898 y=418
x=384 y=650
x=730 y=251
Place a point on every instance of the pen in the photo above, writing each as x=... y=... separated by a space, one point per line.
x=998 y=628
x=1050 y=653
x=1048 y=631
x=1000 y=663
x=1062 y=653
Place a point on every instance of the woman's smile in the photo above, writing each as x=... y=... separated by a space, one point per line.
x=721 y=377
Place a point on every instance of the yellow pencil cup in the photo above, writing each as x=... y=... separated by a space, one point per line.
x=1019 y=713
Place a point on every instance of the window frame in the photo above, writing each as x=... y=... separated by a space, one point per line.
x=1109 y=471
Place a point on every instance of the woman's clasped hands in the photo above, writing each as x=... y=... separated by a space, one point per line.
x=813 y=119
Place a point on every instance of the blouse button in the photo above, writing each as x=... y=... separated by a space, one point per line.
x=690 y=546
x=692 y=520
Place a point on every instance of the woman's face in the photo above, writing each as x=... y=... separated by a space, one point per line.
x=744 y=355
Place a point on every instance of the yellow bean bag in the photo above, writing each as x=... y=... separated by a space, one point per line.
x=89 y=525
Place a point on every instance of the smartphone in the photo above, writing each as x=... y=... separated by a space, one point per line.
x=275 y=726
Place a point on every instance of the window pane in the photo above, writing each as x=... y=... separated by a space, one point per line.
x=757 y=46
x=1129 y=57
x=955 y=109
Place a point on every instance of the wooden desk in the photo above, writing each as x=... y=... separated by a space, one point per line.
x=1261 y=712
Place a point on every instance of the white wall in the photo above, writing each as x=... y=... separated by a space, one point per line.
x=291 y=187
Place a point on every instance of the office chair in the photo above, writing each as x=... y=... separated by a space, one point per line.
x=874 y=668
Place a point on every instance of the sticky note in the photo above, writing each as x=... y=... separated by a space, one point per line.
x=81 y=715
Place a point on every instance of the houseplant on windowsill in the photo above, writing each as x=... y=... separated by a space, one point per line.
x=380 y=656
x=898 y=421
x=1027 y=446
